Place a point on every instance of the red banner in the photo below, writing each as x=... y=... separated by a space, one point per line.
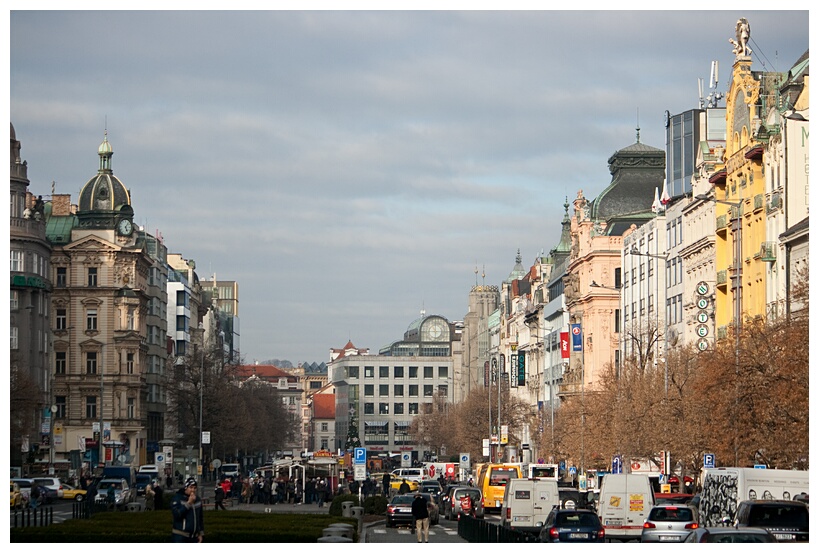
x=564 y=345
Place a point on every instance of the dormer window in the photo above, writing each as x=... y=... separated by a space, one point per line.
x=282 y=383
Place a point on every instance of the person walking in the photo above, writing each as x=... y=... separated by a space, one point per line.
x=321 y=492
x=188 y=520
x=158 y=497
x=218 y=498
x=404 y=487
x=420 y=513
x=150 y=494
x=385 y=484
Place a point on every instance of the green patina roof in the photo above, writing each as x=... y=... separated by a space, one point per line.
x=58 y=228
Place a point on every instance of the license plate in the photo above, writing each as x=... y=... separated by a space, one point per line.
x=614 y=522
x=785 y=537
x=577 y=536
x=669 y=538
x=521 y=519
x=497 y=503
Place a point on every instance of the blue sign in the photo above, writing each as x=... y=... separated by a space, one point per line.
x=360 y=456
x=617 y=465
x=562 y=465
x=709 y=461
x=577 y=338
x=760 y=466
x=572 y=470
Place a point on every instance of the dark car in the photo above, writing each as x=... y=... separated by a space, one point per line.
x=142 y=480
x=730 y=535
x=572 y=525
x=786 y=520
x=433 y=488
x=399 y=510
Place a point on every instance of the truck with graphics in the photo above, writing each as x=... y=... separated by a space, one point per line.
x=723 y=488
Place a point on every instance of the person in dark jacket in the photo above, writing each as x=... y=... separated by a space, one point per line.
x=420 y=512
x=385 y=484
x=219 y=499
x=188 y=519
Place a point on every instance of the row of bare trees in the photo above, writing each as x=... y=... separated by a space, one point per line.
x=746 y=404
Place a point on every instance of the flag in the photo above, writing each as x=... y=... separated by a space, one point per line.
x=577 y=338
x=665 y=198
x=655 y=207
x=564 y=345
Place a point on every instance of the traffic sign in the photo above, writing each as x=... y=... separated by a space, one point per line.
x=359 y=472
x=360 y=456
x=465 y=461
x=406 y=460
x=709 y=461
x=572 y=470
x=616 y=465
x=760 y=466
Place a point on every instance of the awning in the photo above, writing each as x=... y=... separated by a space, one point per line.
x=376 y=423
x=403 y=423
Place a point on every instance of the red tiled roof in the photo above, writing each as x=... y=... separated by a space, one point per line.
x=324 y=406
x=266 y=372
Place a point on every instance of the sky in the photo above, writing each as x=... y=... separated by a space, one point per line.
x=351 y=169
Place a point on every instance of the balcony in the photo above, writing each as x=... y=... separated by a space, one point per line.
x=759 y=201
x=722 y=332
x=775 y=203
x=767 y=252
x=722 y=223
x=722 y=278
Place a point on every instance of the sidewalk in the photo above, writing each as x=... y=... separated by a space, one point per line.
x=234 y=505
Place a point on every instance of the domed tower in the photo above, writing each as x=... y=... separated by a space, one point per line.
x=104 y=202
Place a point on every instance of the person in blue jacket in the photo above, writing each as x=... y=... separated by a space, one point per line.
x=188 y=520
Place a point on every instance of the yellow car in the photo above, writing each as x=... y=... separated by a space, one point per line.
x=395 y=483
x=75 y=494
x=18 y=500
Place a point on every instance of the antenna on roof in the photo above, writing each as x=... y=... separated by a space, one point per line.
x=713 y=96
x=699 y=87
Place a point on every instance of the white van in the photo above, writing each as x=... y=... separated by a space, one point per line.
x=527 y=502
x=624 y=504
x=413 y=474
x=230 y=469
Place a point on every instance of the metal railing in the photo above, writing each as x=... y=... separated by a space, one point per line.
x=476 y=530
x=41 y=516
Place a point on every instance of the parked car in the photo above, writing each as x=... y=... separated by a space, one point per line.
x=572 y=525
x=396 y=481
x=452 y=502
x=122 y=492
x=730 y=535
x=787 y=520
x=52 y=484
x=17 y=499
x=669 y=523
x=73 y=494
x=399 y=510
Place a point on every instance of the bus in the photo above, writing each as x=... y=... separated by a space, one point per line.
x=492 y=481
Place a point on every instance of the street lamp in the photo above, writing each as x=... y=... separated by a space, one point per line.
x=737 y=297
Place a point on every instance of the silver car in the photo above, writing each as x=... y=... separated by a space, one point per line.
x=669 y=523
x=452 y=502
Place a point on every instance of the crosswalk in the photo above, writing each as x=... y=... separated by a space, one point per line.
x=409 y=532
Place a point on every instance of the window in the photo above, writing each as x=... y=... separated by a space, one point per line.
x=15 y=301
x=129 y=363
x=443 y=372
x=428 y=390
x=368 y=372
x=324 y=427
x=181 y=347
x=92 y=277
x=181 y=323
x=91 y=319
x=398 y=372
x=59 y=401
x=62 y=277
x=324 y=443
x=60 y=360
x=427 y=408
x=14 y=338
x=315 y=384
x=17 y=261
x=131 y=408
x=383 y=408
x=427 y=372
x=398 y=408
x=369 y=409
x=398 y=390
x=383 y=372
x=618 y=279
x=443 y=390
x=383 y=390
x=129 y=319
x=352 y=372
x=61 y=320
x=413 y=390
x=91 y=362
x=413 y=372
x=369 y=390
x=616 y=320
x=90 y=407
x=181 y=298
x=413 y=408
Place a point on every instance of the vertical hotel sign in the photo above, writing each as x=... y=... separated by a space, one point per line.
x=577 y=338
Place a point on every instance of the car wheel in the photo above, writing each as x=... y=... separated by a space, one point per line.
x=79 y=498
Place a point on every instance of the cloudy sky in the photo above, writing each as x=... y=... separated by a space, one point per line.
x=351 y=168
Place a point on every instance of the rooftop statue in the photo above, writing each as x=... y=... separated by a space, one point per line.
x=741 y=48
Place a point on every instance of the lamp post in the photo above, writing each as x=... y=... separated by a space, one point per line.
x=201 y=387
x=664 y=256
x=737 y=298
x=620 y=304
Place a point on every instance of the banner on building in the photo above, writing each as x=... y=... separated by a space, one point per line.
x=577 y=338
x=564 y=345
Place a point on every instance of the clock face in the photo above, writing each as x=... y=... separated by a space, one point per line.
x=125 y=227
x=436 y=330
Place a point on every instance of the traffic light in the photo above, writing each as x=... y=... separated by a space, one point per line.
x=522 y=369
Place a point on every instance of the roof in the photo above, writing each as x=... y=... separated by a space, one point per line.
x=266 y=372
x=324 y=406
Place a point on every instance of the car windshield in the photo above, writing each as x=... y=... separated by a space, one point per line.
x=736 y=537
x=105 y=485
x=473 y=493
x=576 y=519
x=778 y=515
x=500 y=476
x=402 y=499
x=681 y=515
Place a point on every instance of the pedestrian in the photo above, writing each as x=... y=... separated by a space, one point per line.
x=188 y=521
x=420 y=513
x=34 y=496
x=90 y=491
x=354 y=487
x=158 y=497
x=247 y=491
x=111 y=496
x=150 y=494
x=321 y=491
x=385 y=484
x=404 y=487
x=219 y=499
